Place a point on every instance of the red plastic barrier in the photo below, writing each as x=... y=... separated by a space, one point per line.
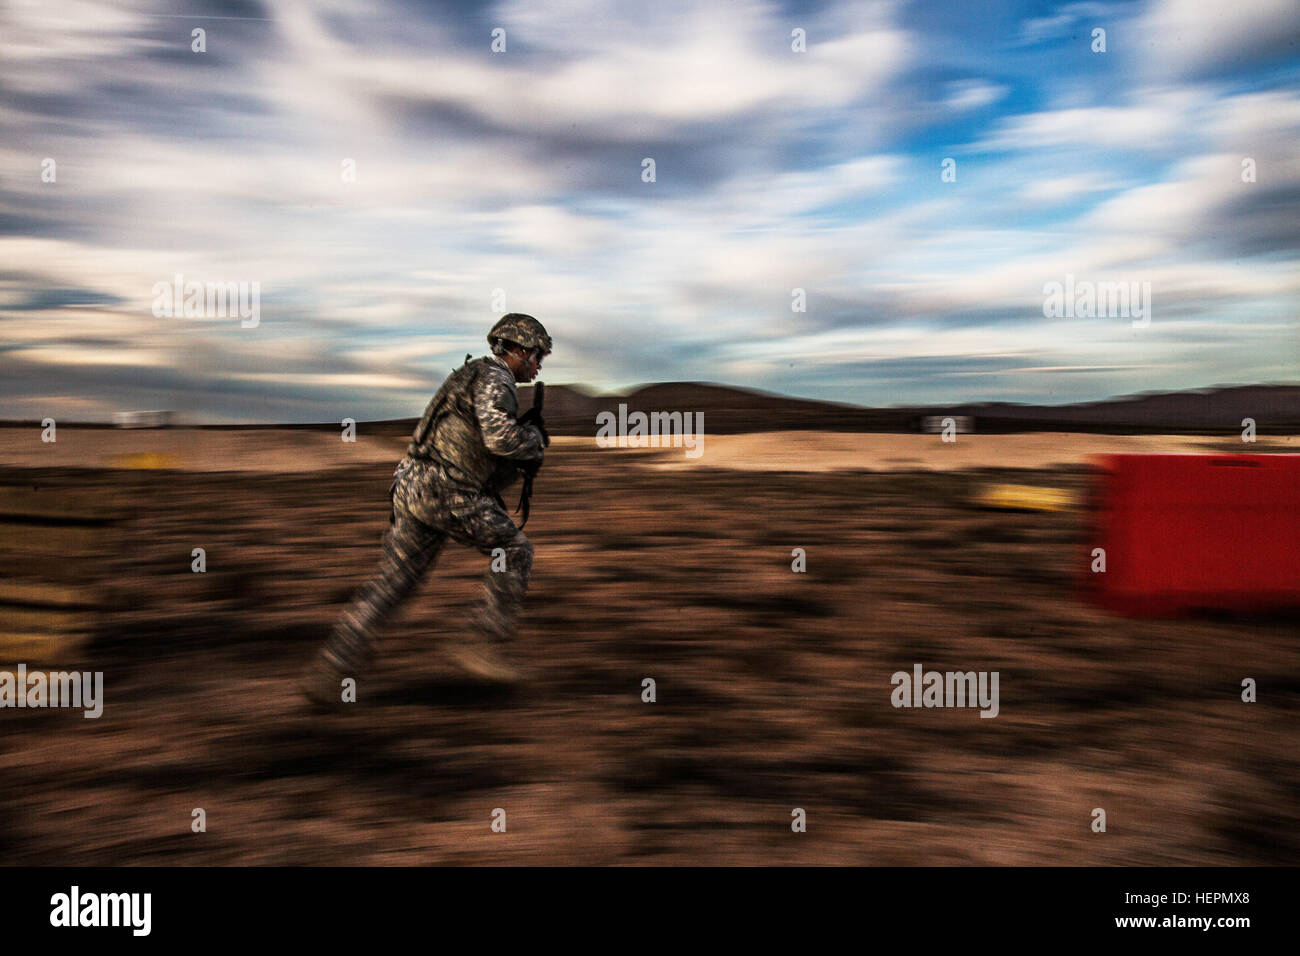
x=1184 y=532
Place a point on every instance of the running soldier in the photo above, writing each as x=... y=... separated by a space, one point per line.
x=468 y=448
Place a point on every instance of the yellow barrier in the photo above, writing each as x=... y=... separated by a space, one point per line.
x=146 y=460
x=1026 y=498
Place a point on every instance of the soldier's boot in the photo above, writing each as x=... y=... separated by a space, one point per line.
x=322 y=683
x=484 y=652
x=483 y=659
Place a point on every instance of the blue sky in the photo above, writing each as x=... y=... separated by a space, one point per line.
x=521 y=171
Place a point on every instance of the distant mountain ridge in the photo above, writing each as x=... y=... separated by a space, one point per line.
x=572 y=410
x=1272 y=407
x=1275 y=408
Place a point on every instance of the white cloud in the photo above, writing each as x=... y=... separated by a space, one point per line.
x=973 y=94
x=1065 y=188
x=1040 y=29
x=1150 y=122
x=332 y=380
x=1186 y=38
x=640 y=81
x=129 y=354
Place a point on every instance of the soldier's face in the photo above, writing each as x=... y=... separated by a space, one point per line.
x=526 y=364
x=532 y=364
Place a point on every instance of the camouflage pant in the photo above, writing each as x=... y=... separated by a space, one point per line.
x=423 y=518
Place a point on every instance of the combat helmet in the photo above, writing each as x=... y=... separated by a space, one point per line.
x=522 y=330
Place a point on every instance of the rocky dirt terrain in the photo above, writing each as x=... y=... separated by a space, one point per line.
x=773 y=687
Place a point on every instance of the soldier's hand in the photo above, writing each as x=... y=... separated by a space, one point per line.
x=531 y=417
x=542 y=433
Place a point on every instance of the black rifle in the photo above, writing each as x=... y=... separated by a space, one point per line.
x=529 y=469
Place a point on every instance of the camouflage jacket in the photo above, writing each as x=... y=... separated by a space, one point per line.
x=468 y=436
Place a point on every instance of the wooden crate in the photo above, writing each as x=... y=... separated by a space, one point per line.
x=54 y=546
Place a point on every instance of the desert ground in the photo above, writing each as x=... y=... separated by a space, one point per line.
x=772 y=687
x=288 y=450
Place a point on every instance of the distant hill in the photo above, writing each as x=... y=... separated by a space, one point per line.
x=572 y=410
x=1275 y=408
x=726 y=410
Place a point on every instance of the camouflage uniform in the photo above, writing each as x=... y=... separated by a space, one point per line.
x=464 y=453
